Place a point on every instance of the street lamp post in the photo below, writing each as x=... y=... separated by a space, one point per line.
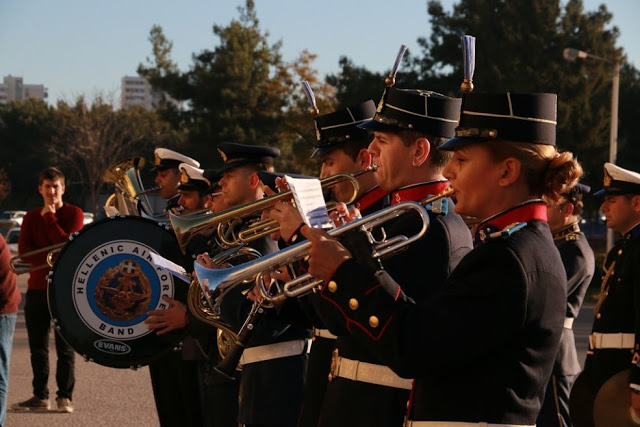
x=571 y=54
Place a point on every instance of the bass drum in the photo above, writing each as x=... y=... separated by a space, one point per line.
x=104 y=282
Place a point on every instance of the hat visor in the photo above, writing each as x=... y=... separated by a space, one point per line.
x=611 y=191
x=229 y=166
x=321 y=151
x=375 y=126
x=158 y=168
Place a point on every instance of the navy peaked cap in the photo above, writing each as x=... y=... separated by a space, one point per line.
x=236 y=155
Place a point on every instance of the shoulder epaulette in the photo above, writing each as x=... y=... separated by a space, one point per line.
x=438 y=207
x=508 y=230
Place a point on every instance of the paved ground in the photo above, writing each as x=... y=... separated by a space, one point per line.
x=102 y=397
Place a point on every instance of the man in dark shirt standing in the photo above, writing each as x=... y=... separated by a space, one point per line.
x=41 y=227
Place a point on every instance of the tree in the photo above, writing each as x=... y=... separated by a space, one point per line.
x=521 y=50
x=297 y=135
x=25 y=131
x=237 y=91
x=91 y=138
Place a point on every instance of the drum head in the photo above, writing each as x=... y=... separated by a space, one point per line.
x=612 y=406
x=104 y=282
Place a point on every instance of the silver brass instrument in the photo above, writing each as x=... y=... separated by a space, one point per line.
x=130 y=197
x=186 y=228
x=224 y=279
x=207 y=309
x=204 y=306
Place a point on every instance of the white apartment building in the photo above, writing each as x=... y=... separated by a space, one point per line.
x=14 y=89
x=136 y=91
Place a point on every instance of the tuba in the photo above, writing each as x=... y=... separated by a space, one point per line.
x=129 y=197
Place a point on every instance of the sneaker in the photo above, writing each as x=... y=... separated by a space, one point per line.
x=33 y=404
x=64 y=405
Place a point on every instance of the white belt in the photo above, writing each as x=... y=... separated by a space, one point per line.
x=459 y=424
x=275 y=351
x=568 y=322
x=356 y=370
x=620 y=340
x=324 y=333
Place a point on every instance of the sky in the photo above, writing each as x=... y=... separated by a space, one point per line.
x=85 y=47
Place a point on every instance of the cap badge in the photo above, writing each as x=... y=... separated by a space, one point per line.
x=184 y=177
x=607 y=178
x=157 y=159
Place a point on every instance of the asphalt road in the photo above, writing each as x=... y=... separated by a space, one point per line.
x=122 y=397
x=102 y=397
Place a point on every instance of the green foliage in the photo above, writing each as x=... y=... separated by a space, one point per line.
x=521 y=50
x=25 y=131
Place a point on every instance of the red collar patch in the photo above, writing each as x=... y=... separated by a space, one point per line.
x=369 y=198
x=418 y=192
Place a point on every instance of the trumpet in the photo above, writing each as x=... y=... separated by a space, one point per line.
x=186 y=228
x=18 y=266
x=226 y=278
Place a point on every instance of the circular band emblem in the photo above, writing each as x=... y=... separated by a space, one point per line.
x=114 y=287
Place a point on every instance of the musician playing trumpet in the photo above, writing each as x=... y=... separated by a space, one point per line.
x=274 y=360
x=340 y=147
x=482 y=347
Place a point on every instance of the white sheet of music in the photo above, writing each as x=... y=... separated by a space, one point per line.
x=170 y=266
x=310 y=202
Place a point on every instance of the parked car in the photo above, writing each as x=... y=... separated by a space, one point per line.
x=12 y=236
x=9 y=219
x=88 y=218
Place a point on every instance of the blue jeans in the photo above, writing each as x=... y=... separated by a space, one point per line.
x=7 y=326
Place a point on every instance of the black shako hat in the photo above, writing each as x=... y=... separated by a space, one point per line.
x=236 y=155
x=619 y=181
x=192 y=179
x=339 y=127
x=414 y=109
x=517 y=117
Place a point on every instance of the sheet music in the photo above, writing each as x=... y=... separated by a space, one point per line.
x=307 y=194
x=170 y=266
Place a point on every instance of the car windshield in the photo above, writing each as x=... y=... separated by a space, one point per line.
x=13 y=236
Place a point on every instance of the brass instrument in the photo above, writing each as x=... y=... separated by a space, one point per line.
x=19 y=266
x=204 y=306
x=224 y=279
x=130 y=197
x=186 y=228
x=207 y=309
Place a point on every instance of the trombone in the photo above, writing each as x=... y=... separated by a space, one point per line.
x=186 y=228
x=19 y=266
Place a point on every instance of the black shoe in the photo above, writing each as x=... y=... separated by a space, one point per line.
x=33 y=404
